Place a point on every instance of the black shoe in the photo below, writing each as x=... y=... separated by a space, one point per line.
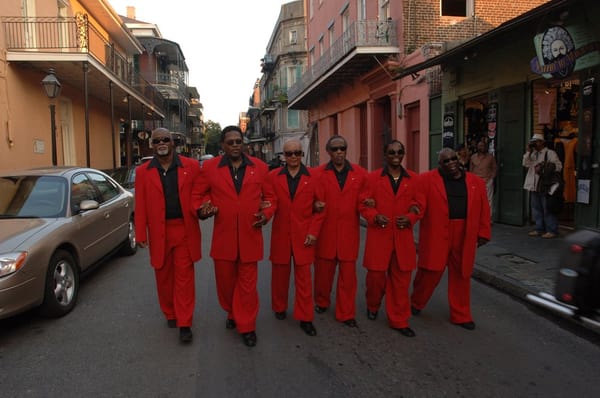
x=372 y=315
x=185 y=335
x=230 y=324
x=308 y=328
x=320 y=310
x=467 y=325
x=414 y=311
x=281 y=315
x=172 y=323
x=249 y=338
x=406 y=332
x=351 y=323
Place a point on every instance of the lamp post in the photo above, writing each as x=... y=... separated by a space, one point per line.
x=52 y=89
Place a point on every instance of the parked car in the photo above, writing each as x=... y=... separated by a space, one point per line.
x=55 y=224
x=125 y=176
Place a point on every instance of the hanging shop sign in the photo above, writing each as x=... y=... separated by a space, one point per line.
x=561 y=50
x=448 y=130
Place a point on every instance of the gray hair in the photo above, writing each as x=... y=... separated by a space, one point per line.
x=445 y=151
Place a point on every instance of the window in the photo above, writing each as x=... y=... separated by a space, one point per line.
x=384 y=10
x=455 y=8
x=82 y=189
x=293 y=119
x=331 y=35
x=293 y=75
x=321 y=47
x=312 y=56
x=107 y=189
x=311 y=8
x=293 y=36
x=345 y=20
x=362 y=9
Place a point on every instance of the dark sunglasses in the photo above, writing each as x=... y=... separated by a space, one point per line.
x=293 y=153
x=337 y=148
x=452 y=159
x=391 y=152
x=161 y=139
x=234 y=142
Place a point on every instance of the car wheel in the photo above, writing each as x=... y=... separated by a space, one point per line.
x=129 y=247
x=62 y=285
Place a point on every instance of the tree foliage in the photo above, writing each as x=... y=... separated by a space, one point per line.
x=213 y=137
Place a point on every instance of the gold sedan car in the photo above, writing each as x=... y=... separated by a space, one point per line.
x=55 y=224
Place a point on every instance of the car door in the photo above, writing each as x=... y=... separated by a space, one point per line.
x=116 y=205
x=93 y=225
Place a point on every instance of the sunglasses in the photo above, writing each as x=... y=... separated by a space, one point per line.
x=161 y=139
x=293 y=153
x=338 y=148
x=452 y=159
x=391 y=152
x=234 y=142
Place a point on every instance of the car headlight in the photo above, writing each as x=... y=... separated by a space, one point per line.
x=11 y=262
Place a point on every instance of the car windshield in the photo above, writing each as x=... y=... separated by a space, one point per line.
x=32 y=197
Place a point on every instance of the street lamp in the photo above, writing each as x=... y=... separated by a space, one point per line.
x=52 y=89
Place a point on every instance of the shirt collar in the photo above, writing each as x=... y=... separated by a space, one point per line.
x=303 y=170
x=403 y=172
x=347 y=166
x=155 y=163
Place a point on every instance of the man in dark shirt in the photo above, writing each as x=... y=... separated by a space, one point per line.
x=165 y=220
x=295 y=230
x=456 y=220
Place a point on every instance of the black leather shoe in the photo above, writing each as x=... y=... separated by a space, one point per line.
x=172 y=323
x=249 y=338
x=308 y=328
x=230 y=324
x=372 y=315
x=467 y=325
x=406 y=332
x=281 y=315
x=351 y=323
x=414 y=311
x=320 y=310
x=185 y=335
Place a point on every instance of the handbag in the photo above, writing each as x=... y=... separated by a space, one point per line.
x=552 y=183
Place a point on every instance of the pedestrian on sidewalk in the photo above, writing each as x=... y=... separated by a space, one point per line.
x=236 y=188
x=390 y=254
x=294 y=234
x=166 y=221
x=535 y=158
x=483 y=164
x=455 y=221
x=342 y=183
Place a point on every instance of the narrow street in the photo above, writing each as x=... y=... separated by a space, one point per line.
x=116 y=344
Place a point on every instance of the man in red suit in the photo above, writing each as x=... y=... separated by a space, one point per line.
x=166 y=221
x=455 y=221
x=236 y=185
x=390 y=254
x=342 y=183
x=295 y=231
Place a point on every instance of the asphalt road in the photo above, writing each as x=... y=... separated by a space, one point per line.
x=116 y=344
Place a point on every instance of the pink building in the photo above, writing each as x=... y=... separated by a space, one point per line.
x=355 y=49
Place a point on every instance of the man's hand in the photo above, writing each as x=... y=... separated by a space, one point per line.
x=318 y=206
x=143 y=245
x=369 y=202
x=310 y=240
x=261 y=220
x=381 y=220
x=414 y=209
x=207 y=210
x=265 y=204
x=402 y=222
x=481 y=241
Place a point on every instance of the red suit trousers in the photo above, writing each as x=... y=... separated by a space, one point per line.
x=303 y=297
x=345 y=298
x=236 y=289
x=175 y=279
x=459 y=287
x=394 y=284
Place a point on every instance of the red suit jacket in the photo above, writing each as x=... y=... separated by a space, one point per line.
x=233 y=233
x=340 y=233
x=150 y=209
x=294 y=219
x=433 y=228
x=382 y=241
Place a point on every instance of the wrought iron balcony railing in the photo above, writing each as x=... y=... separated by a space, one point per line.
x=75 y=35
x=359 y=34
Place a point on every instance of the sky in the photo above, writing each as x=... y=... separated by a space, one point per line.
x=222 y=41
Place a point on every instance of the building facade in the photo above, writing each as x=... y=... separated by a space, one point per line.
x=90 y=51
x=356 y=51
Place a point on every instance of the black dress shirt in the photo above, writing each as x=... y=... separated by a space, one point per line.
x=170 y=185
x=237 y=173
x=294 y=181
x=341 y=175
x=395 y=183
x=456 y=191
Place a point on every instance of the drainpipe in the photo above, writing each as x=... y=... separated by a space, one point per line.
x=112 y=123
x=87 y=113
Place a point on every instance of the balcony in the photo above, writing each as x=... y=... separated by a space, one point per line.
x=66 y=44
x=351 y=55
